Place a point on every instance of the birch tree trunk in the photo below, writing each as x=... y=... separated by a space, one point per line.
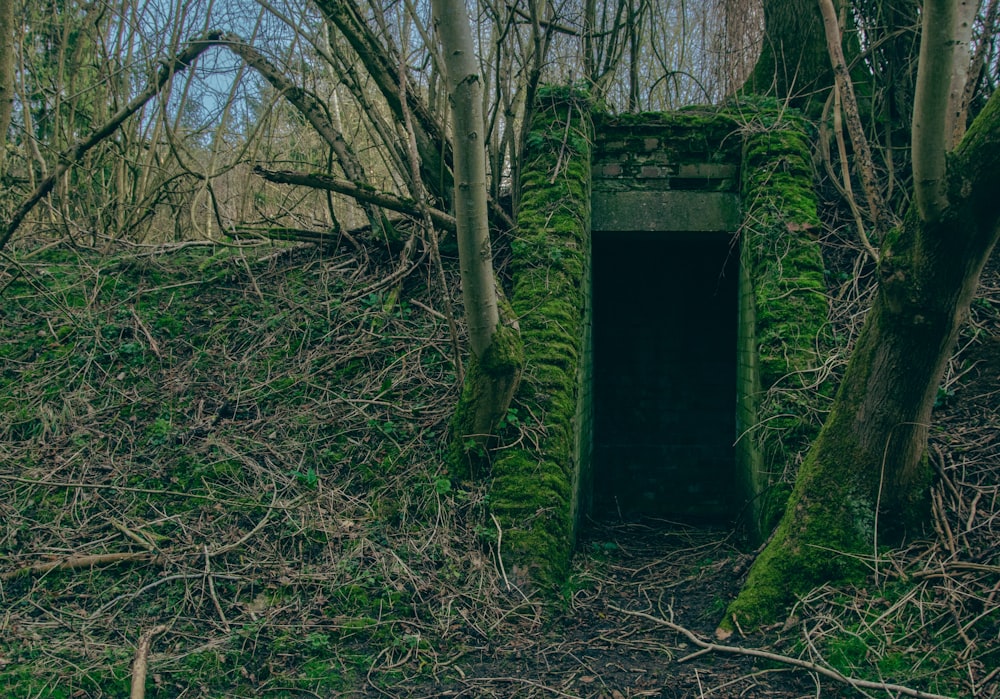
x=497 y=355
x=465 y=99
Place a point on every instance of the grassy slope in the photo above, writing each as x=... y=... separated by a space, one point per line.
x=273 y=444
x=268 y=448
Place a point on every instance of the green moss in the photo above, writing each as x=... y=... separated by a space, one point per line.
x=839 y=518
x=129 y=371
x=534 y=479
x=478 y=413
x=780 y=252
x=550 y=261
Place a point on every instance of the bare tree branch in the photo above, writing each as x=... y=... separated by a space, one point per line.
x=141 y=664
x=379 y=57
x=357 y=192
x=312 y=109
x=862 y=150
x=72 y=155
x=707 y=647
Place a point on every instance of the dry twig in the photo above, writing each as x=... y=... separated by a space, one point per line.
x=141 y=664
x=706 y=647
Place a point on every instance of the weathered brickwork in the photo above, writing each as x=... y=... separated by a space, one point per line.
x=666 y=172
x=667 y=152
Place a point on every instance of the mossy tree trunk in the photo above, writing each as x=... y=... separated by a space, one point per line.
x=495 y=367
x=866 y=475
x=793 y=63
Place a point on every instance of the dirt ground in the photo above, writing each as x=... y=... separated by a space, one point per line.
x=597 y=649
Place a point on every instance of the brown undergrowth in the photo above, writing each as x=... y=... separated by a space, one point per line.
x=249 y=452
x=238 y=445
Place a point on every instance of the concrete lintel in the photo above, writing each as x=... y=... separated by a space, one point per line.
x=707 y=170
x=665 y=211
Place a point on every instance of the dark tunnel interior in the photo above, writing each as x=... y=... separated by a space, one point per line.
x=664 y=386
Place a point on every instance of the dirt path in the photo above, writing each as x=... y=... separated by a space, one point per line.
x=594 y=650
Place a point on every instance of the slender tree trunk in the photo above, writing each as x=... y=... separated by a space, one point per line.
x=496 y=352
x=634 y=29
x=931 y=118
x=6 y=76
x=465 y=98
x=589 y=27
x=849 y=100
x=965 y=15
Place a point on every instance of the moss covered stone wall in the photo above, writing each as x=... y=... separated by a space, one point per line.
x=783 y=312
x=537 y=476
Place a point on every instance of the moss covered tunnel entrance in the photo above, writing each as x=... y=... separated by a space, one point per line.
x=665 y=288
x=671 y=298
x=664 y=376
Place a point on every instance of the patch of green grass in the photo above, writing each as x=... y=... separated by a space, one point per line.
x=847 y=654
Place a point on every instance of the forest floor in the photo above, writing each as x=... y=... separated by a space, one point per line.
x=235 y=453
x=599 y=647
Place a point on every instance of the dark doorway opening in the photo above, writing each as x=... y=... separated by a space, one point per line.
x=664 y=387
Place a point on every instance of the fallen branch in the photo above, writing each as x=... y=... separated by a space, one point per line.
x=296 y=235
x=707 y=647
x=358 y=193
x=87 y=561
x=310 y=107
x=400 y=273
x=141 y=664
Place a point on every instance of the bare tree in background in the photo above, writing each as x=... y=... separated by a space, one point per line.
x=7 y=31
